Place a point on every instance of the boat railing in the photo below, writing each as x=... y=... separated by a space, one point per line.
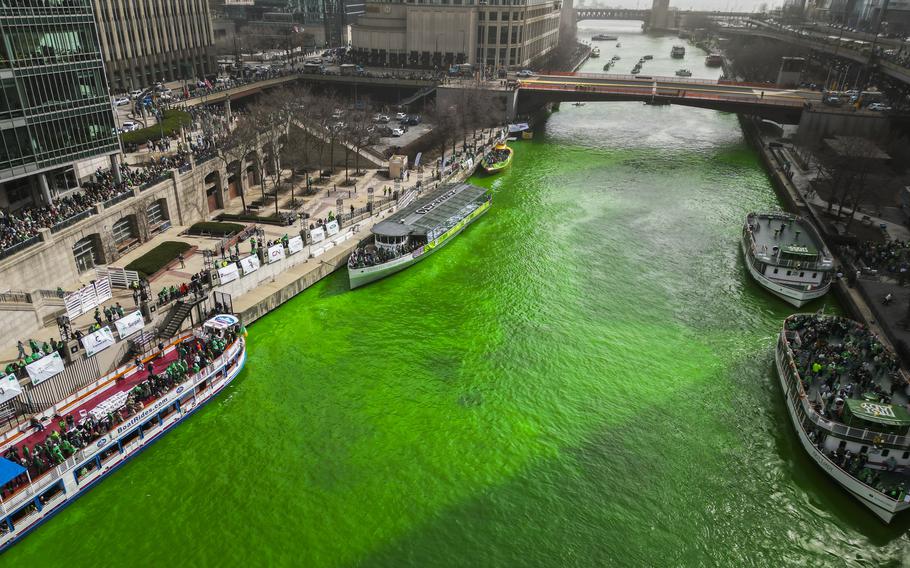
x=53 y=475
x=801 y=399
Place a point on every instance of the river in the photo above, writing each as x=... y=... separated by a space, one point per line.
x=583 y=378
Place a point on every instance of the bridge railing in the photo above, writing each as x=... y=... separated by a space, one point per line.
x=667 y=92
x=640 y=77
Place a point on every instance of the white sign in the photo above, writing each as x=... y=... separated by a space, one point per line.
x=129 y=324
x=331 y=228
x=317 y=235
x=45 y=368
x=276 y=253
x=250 y=264
x=229 y=273
x=98 y=341
x=295 y=245
x=9 y=388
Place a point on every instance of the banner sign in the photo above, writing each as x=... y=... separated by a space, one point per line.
x=250 y=264
x=417 y=160
x=229 y=273
x=98 y=341
x=45 y=368
x=276 y=253
x=9 y=388
x=317 y=235
x=331 y=228
x=295 y=245
x=129 y=324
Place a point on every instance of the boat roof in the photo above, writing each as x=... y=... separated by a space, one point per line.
x=888 y=414
x=429 y=211
x=796 y=239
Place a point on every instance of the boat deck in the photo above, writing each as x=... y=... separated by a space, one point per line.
x=80 y=408
x=769 y=231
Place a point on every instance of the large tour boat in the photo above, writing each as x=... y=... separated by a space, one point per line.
x=847 y=397
x=786 y=255
x=678 y=51
x=416 y=231
x=604 y=37
x=497 y=159
x=71 y=447
x=714 y=60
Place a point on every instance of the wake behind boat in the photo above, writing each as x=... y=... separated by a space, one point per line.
x=787 y=256
x=497 y=159
x=846 y=397
x=416 y=231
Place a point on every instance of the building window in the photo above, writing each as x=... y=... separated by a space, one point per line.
x=124 y=230
x=504 y=35
x=505 y=16
x=494 y=16
x=86 y=254
x=157 y=213
x=482 y=16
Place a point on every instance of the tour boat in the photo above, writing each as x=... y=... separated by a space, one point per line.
x=616 y=58
x=648 y=57
x=855 y=424
x=714 y=60
x=604 y=37
x=109 y=422
x=618 y=45
x=595 y=53
x=683 y=73
x=416 y=231
x=678 y=51
x=786 y=255
x=497 y=160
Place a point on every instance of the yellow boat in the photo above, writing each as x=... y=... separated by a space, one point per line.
x=497 y=159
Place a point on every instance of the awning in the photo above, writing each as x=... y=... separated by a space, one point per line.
x=887 y=414
x=9 y=471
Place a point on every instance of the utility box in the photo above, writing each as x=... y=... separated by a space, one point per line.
x=791 y=70
x=398 y=164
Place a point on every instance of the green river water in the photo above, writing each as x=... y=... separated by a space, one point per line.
x=583 y=378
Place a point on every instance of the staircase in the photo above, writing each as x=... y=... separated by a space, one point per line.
x=174 y=319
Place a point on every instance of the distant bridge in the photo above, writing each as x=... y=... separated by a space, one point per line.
x=611 y=14
x=677 y=18
x=780 y=105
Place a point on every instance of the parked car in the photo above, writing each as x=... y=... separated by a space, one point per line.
x=121 y=101
x=396 y=132
x=413 y=120
x=129 y=126
x=832 y=100
x=399 y=116
x=879 y=107
x=524 y=73
x=381 y=119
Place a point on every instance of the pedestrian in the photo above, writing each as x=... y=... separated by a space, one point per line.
x=762 y=95
x=180 y=258
x=136 y=297
x=108 y=314
x=21 y=347
x=98 y=316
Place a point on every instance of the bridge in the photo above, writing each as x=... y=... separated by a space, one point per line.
x=780 y=105
x=838 y=46
x=611 y=14
x=674 y=19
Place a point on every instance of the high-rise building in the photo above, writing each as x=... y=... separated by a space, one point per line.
x=436 y=33
x=55 y=111
x=144 y=41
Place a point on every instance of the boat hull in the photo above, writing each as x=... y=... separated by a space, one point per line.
x=26 y=525
x=796 y=298
x=883 y=507
x=361 y=276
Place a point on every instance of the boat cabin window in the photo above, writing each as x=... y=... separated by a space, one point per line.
x=775 y=271
x=906 y=455
x=391 y=241
x=842 y=445
x=789 y=272
x=814 y=274
x=885 y=452
x=864 y=449
x=801 y=274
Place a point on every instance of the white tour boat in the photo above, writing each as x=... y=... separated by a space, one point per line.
x=786 y=255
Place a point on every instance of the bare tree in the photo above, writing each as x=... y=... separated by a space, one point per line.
x=244 y=141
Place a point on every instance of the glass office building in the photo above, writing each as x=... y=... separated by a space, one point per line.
x=54 y=104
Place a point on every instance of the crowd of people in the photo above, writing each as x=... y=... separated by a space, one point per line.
x=68 y=434
x=837 y=360
x=196 y=287
x=892 y=257
x=26 y=223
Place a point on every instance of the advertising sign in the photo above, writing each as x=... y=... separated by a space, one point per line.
x=250 y=264
x=317 y=235
x=331 y=228
x=129 y=324
x=9 y=388
x=45 y=368
x=276 y=253
x=295 y=245
x=98 y=341
x=228 y=273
